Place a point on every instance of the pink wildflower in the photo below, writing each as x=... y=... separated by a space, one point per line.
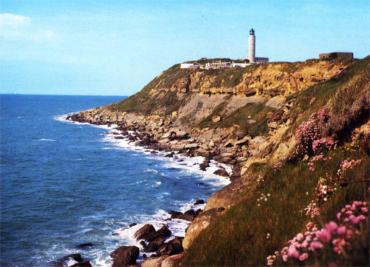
x=331 y=226
x=358 y=219
x=293 y=252
x=324 y=235
x=300 y=237
x=316 y=245
x=349 y=234
x=341 y=230
x=364 y=210
x=303 y=257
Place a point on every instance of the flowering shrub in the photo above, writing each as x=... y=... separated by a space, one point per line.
x=310 y=134
x=320 y=157
x=325 y=143
x=347 y=165
x=325 y=188
x=335 y=236
x=312 y=210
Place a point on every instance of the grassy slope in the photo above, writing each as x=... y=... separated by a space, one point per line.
x=145 y=103
x=256 y=111
x=239 y=237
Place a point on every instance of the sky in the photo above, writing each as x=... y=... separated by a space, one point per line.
x=96 y=47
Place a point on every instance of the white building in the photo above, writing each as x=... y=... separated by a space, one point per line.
x=239 y=65
x=193 y=66
x=218 y=65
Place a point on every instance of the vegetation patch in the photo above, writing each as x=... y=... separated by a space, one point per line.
x=252 y=119
x=262 y=224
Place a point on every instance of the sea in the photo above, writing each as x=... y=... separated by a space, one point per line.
x=63 y=184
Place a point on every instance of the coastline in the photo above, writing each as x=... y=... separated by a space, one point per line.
x=127 y=140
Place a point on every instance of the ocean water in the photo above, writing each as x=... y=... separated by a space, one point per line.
x=63 y=184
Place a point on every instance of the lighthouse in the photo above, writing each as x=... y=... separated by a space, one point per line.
x=252 y=46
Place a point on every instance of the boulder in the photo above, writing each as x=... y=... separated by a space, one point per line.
x=205 y=164
x=216 y=119
x=187 y=216
x=174 y=246
x=199 y=201
x=222 y=172
x=162 y=232
x=144 y=231
x=125 y=256
x=276 y=102
x=155 y=244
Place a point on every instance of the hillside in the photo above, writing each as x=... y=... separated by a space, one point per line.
x=297 y=136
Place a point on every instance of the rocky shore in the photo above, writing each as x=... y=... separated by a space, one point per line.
x=157 y=247
x=160 y=135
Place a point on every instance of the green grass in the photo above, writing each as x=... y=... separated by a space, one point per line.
x=340 y=90
x=142 y=102
x=256 y=111
x=238 y=238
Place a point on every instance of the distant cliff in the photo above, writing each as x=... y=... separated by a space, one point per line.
x=297 y=136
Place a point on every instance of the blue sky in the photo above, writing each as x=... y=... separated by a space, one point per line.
x=116 y=47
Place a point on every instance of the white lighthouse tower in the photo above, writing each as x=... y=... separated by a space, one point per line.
x=252 y=46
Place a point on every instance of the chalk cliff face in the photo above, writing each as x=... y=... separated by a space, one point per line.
x=263 y=119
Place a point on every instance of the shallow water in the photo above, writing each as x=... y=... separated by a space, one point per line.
x=63 y=184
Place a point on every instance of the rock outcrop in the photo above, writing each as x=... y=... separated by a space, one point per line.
x=125 y=256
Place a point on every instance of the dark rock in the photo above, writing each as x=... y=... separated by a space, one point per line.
x=172 y=247
x=205 y=164
x=125 y=256
x=144 y=231
x=76 y=256
x=162 y=232
x=132 y=224
x=175 y=214
x=187 y=216
x=82 y=264
x=155 y=244
x=118 y=137
x=85 y=245
x=198 y=211
x=170 y=155
x=199 y=201
x=222 y=172
x=190 y=212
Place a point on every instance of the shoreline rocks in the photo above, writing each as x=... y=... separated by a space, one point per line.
x=170 y=140
x=125 y=256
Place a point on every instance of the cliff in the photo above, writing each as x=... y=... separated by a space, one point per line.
x=287 y=129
